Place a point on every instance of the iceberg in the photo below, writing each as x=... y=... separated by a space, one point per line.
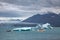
x=38 y=27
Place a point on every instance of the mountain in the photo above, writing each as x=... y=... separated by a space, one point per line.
x=14 y=20
x=52 y=18
x=10 y=21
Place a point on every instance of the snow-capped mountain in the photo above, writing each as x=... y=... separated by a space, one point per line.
x=52 y=18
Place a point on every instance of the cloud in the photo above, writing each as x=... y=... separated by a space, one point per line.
x=45 y=3
x=26 y=8
x=7 y=6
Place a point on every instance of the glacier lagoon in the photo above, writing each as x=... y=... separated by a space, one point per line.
x=29 y=35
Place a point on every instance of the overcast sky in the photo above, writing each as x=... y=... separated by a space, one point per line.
x=27 y=8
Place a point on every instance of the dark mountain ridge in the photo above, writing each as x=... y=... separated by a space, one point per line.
x=52 y=18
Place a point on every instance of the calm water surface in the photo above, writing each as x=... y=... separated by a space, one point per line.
x=48 y=35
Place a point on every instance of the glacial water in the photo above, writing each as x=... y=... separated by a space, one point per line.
x=29 y=35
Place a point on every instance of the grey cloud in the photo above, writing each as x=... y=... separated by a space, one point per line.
x=14 y=14
x=9 y=14
x=28 y=7
x=45 y=3
x=34 y=4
